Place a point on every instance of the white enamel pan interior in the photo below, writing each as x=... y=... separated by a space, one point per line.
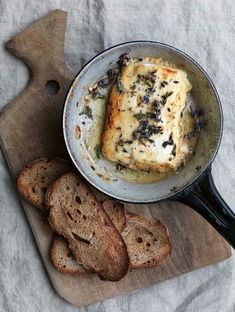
x=204 y=95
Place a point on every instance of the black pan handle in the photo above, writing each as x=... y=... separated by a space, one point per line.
x=207 y=201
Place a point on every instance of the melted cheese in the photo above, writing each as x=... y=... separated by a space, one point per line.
x=154 y=98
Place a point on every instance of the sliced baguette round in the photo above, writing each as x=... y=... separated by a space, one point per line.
x=35 y=178
x=94 y=240
x=147 y=243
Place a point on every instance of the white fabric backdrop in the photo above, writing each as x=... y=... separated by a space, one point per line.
x=203 y=29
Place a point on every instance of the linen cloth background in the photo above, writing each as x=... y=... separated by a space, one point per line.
x=205 y=29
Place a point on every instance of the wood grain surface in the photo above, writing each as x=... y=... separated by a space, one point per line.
x=31 y=127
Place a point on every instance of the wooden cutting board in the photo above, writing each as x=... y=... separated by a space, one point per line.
x=30 y=128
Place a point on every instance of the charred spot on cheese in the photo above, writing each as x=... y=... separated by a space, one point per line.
x=145 y=122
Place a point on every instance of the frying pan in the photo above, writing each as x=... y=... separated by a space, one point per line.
x=193 y=185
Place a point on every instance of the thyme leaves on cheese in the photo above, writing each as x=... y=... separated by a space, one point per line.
x=140 y=116
x=149 y=115
x=156 y=107
x=151 y=90
x=121 y=142
x=165 y=97
x=173 y=152
x=133 y=90
x=149 y=79
x=169 y=142
x=145 y=130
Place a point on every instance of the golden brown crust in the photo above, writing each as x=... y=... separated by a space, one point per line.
x=112 y=113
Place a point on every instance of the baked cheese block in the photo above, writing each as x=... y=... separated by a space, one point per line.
x=144 y=126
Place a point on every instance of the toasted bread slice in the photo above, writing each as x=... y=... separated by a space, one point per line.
x=147 y=243
x=113 y=208
x=116 y=212
x=36 y=177
x=63 y=259
x=77 y=216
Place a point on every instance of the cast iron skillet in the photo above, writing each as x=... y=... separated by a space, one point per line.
x=193 y=185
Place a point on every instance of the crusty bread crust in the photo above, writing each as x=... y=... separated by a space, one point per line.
x=76 y=215
x=36 y=177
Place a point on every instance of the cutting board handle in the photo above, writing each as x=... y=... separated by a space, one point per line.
x=41 y=45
